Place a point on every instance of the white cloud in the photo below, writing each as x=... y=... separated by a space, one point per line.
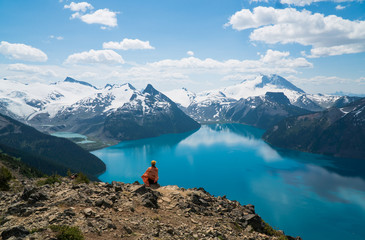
x=329 y=84
x=95 y=56
x=102 y=16
x=328 y=35
x=303 y=3
x=251 y=1
x=19 y=67
x=21 y=51
x=340 y=7
x=128 y=44
x=272 y=61
x=273 y=56
x=196 y=73
x=86 y=75
x=190 y=53
x=76 y=7
x=56 y=37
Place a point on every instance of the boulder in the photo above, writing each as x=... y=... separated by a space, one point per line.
x=149 y=200
x=18 y=232
x=88 y=212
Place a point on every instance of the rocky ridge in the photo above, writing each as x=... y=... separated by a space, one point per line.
x=126 y=211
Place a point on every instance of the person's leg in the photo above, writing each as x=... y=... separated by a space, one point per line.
x=150 y=181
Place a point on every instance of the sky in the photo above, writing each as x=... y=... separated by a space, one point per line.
x=318 y=45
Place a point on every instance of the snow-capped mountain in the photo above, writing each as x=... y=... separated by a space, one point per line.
x=248 y=88
x=182 y=96
x=213 y=105
x=263 y=111
x=76 y=106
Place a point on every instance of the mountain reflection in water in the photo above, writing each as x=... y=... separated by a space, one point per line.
x=314 y=196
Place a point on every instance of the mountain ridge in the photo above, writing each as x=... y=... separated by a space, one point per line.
x=117 y=210
x=77 y=106
x=45 y=152
x=336 y=131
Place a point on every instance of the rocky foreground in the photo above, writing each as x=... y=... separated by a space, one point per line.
x=126 y=211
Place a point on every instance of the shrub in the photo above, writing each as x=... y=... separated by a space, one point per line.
x=67 y=232
x=5 y=177
x=69 y=174
x=82 y=178
x=272 y=232
x=50 y=180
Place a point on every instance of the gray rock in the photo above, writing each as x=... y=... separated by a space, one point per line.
x=28 y=190
x=111 y=225
x=250 y=208
x=142 y=190
x=18 y=232
x=128 y=229
x=107 y=203
x=37 y=196
x=150 y=200
x=104 y=202
x=88 y=212
x=99 y=202
x=69 y=212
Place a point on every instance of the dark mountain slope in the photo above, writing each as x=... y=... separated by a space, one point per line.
x=71 y=80
x=154 y=116
x=263 y=112
x=336 y=131
x=48 y=153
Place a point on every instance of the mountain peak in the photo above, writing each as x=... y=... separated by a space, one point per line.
x=131 y=86
x=110 y=86
x=151 y=90
x=278 y=81
x=72 y=80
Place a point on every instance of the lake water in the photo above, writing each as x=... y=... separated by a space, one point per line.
x=313 y=196
x=71 y=135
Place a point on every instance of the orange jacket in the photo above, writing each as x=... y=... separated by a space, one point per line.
x=151 y=173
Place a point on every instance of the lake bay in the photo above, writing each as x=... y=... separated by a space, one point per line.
x=313 y=196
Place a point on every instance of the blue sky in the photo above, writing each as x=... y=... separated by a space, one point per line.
x=318 y=45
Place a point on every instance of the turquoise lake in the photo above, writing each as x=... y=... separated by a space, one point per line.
x=313 y=196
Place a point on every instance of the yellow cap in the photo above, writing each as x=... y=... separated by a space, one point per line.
x=153 y=162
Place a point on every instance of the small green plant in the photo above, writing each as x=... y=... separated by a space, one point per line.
x=69 y=174
x=156 y=218
x=237 y=227
x=269 y=230
x=82 y=178
x=5 y=177
x=65 y=232
x=272 y=232
x=50 y=180
x=34 y=230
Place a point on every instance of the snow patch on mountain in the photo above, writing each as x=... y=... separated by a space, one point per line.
x=181 y=96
